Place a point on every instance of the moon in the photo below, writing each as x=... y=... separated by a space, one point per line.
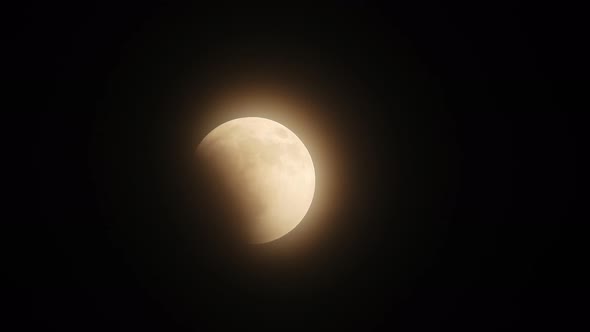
x=268 y=171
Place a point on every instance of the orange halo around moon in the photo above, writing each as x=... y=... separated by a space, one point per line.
x=311 y=121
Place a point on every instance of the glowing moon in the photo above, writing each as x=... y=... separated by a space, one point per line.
x=268 y=169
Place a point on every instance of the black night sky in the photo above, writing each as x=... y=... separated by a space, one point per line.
x=457 y=167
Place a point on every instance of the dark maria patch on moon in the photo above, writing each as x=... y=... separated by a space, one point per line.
x=281 y=132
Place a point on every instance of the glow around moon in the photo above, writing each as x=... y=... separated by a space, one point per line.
x=267 y=169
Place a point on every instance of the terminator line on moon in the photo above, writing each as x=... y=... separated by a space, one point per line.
x=267 y=168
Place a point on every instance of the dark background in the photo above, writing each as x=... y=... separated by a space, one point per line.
x=458 y=159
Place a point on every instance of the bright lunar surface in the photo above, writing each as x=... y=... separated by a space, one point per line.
x=268 y=169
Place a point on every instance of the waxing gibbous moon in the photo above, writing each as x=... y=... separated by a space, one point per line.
x=268 y=171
